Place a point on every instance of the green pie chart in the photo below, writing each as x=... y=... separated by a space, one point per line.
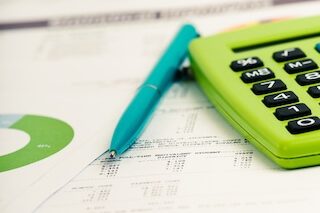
x=47 y=136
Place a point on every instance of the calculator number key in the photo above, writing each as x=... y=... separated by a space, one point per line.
x=288 y=54
x=280 y=99
x=303 y=125
x=257 y=75
x=268 y=86
x=308 y=78
x=300 y=66
x=314 y=91
x=246 y=63
x=293 y=111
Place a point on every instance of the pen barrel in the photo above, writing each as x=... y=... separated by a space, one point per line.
x=134 y=118
x=164 y=72
x=138 y=113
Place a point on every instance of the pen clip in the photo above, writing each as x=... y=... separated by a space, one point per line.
x=185 y=71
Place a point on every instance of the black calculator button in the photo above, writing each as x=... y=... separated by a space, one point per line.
x=288 y=54
x=293 y=111
x=280 y=99
x=314 y=91
x=303 y=125
x=246 y=63
x=257 y=75
x=308 y=78
x=268 y=86
x=300 y=66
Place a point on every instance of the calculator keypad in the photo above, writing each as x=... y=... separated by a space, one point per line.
x=246 y=63
x=288 y=54
x=300 y=66
x=286 y=101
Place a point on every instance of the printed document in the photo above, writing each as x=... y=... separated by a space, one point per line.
x=77 y=73
x=189 y=159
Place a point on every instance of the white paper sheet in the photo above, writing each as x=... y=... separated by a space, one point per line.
x=64 y=75
x=189 y=159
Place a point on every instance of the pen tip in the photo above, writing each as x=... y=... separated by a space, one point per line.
x=113 y=154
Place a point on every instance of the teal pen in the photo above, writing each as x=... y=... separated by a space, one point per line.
x=135 y=117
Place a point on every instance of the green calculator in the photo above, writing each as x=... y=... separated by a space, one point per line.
x=265 y=81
